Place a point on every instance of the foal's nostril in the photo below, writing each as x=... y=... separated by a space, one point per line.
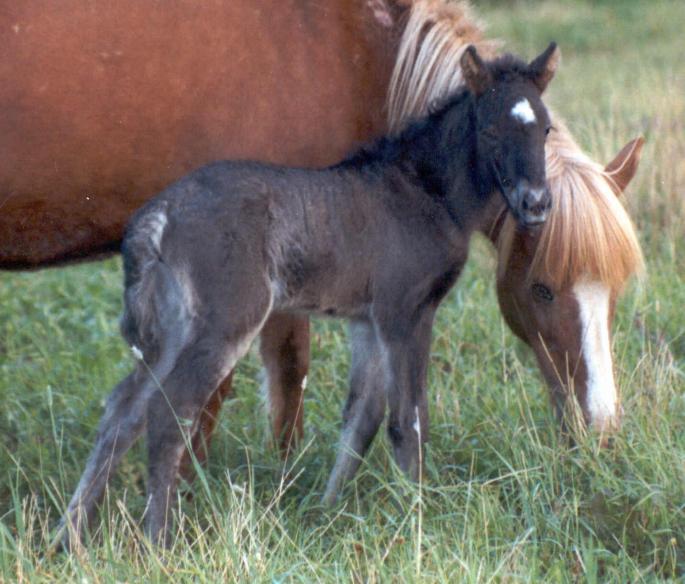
x=534 y=206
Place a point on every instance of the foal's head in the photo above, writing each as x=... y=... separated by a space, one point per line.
x=512 y=124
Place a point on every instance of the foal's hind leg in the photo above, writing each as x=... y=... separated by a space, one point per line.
x=284 y=349
x=364 y=410
x=121 y=424
x=174 y=411
x=205 y=428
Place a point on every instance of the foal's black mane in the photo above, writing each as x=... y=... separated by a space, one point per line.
x=448 y=125
x=407 y=145
x=425 y=150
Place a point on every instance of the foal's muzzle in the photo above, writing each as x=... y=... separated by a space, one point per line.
x=531 y=204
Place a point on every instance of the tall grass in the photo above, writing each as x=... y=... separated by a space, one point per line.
x=503 y=497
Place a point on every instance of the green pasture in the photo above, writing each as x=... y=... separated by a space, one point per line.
x=504 y=497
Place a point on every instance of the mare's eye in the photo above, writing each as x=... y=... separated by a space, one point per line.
x=542 y=293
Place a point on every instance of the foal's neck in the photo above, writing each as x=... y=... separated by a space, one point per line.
x=437 y=155
x=493 y=219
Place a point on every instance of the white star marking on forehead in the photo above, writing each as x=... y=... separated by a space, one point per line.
x=523 y=112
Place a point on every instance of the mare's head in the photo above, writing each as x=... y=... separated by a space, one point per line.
x=557 y=286
x=512 y=125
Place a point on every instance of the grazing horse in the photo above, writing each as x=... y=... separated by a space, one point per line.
x=101 y=109
x=378 y=239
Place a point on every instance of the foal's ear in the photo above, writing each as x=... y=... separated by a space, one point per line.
x=476 y=73
x=544 y=66
x=623 y=167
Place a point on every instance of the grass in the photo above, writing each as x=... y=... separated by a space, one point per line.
x=503 y=498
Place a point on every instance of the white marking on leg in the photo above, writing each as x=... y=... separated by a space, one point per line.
x=304 y=382
x=523 y=112
x=601 y=397
x=137 y=353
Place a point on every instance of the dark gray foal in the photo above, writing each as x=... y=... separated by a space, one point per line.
x=378 y=239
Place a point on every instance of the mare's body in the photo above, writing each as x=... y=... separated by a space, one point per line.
x=100 y=109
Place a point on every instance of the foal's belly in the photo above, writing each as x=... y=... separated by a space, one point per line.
x=336 y=298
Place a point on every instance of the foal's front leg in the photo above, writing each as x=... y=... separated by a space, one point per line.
x=364 y=409
x=407 y=351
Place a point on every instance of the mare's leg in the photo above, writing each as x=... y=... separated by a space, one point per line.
x=284 y=349
x=407 y=349
x=364 y=410
x=174 y=411
x=121 y=424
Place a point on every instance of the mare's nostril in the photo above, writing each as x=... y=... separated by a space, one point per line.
x=525 y=205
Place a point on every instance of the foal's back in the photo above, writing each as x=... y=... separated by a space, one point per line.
x=323 y=241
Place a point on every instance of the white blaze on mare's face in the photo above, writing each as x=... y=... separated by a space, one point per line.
x=523 y=112
x=601 y=397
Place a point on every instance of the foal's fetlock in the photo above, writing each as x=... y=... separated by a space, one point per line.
x=407 y=450
x=158 y=527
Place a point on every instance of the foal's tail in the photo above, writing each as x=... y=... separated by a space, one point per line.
x=157 y=306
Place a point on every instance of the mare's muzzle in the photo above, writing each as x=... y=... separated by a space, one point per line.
x=531 y=204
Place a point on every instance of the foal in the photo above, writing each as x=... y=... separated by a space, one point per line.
x=378 y=239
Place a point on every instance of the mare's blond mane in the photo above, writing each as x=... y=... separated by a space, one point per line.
x=427 y=67
x=588 y=233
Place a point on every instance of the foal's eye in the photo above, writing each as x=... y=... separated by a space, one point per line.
x=548 y=129
x=542 y=293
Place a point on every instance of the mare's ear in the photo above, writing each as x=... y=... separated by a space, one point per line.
x=476 y=73
x=623 y=167
x=544 y=66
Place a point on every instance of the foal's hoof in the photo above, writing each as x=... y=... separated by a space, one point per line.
x=66 y=540
x=329 y=499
